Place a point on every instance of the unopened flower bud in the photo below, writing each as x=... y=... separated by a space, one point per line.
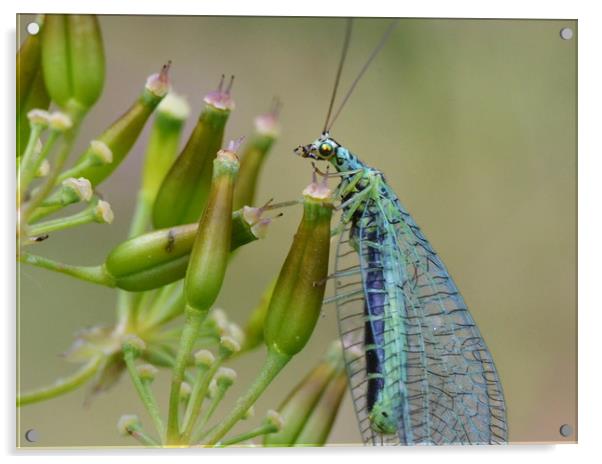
x=75 y=190
x=216 y=322
x=147 y=372
x=204 y=358
x=236 y=333
x=43 y=169
x=185 y=391
x=229 y=346
x=103 y=212
x=100 y=153
x=225 y=377
x=128 y=423
x=134 y=344
x=39 y=117
x=59 y=122
x=274 y=419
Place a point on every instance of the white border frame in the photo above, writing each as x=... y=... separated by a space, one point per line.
x=589 y=236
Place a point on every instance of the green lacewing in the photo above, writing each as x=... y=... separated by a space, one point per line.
x=424 y=374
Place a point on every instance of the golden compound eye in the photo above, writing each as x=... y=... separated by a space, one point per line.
x=325 y=149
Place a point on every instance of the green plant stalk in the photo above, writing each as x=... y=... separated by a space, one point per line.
x=40 y=194
x=194 y=320
x=274 y=363
x=207 y=415
x=254 y=327
x=93 y=274
x=127 y=303
x=143 y=438
x=199 y=391
x=144 y=392
x=61 y=386
x=319 y=423
x=83 y=217
x=169 y=304
x=48 y=145
x=298 y=406
x=26 y=166
x=261 y=430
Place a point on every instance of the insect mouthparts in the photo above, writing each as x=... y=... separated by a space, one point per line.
x=303 y=151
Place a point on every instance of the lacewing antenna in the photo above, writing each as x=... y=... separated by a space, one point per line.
x=339 y=70
x=375 y=52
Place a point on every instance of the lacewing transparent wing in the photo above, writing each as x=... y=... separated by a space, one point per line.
x=419 y=370
x=425 y=365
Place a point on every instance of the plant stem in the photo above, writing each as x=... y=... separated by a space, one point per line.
x=261 y=430
x=47 y=147
x=167 y=306
x=144 y=391
x=61 y=386
x=83 y=217
x=127 y=304
x=194 y=319
x=143 y=438
x=199 y=391
x=273 y=365
x=207 y=415
x=40 y=194
x=94 y=274
x=26 y=166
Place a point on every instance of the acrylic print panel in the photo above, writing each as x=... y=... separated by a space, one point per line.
x=472 y=123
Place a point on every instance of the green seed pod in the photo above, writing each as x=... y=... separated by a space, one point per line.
x=123 y=133
x=31 y=91
x=160 y=257
x=151 y=260
x=185 y=189
x=163 y=143
x=301 y=403
x=255 y=323
x=297 y=299
x=211 y=249
x=253 y=157
x=73 y=61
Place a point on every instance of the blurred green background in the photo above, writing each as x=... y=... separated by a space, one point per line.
x=472 y=121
